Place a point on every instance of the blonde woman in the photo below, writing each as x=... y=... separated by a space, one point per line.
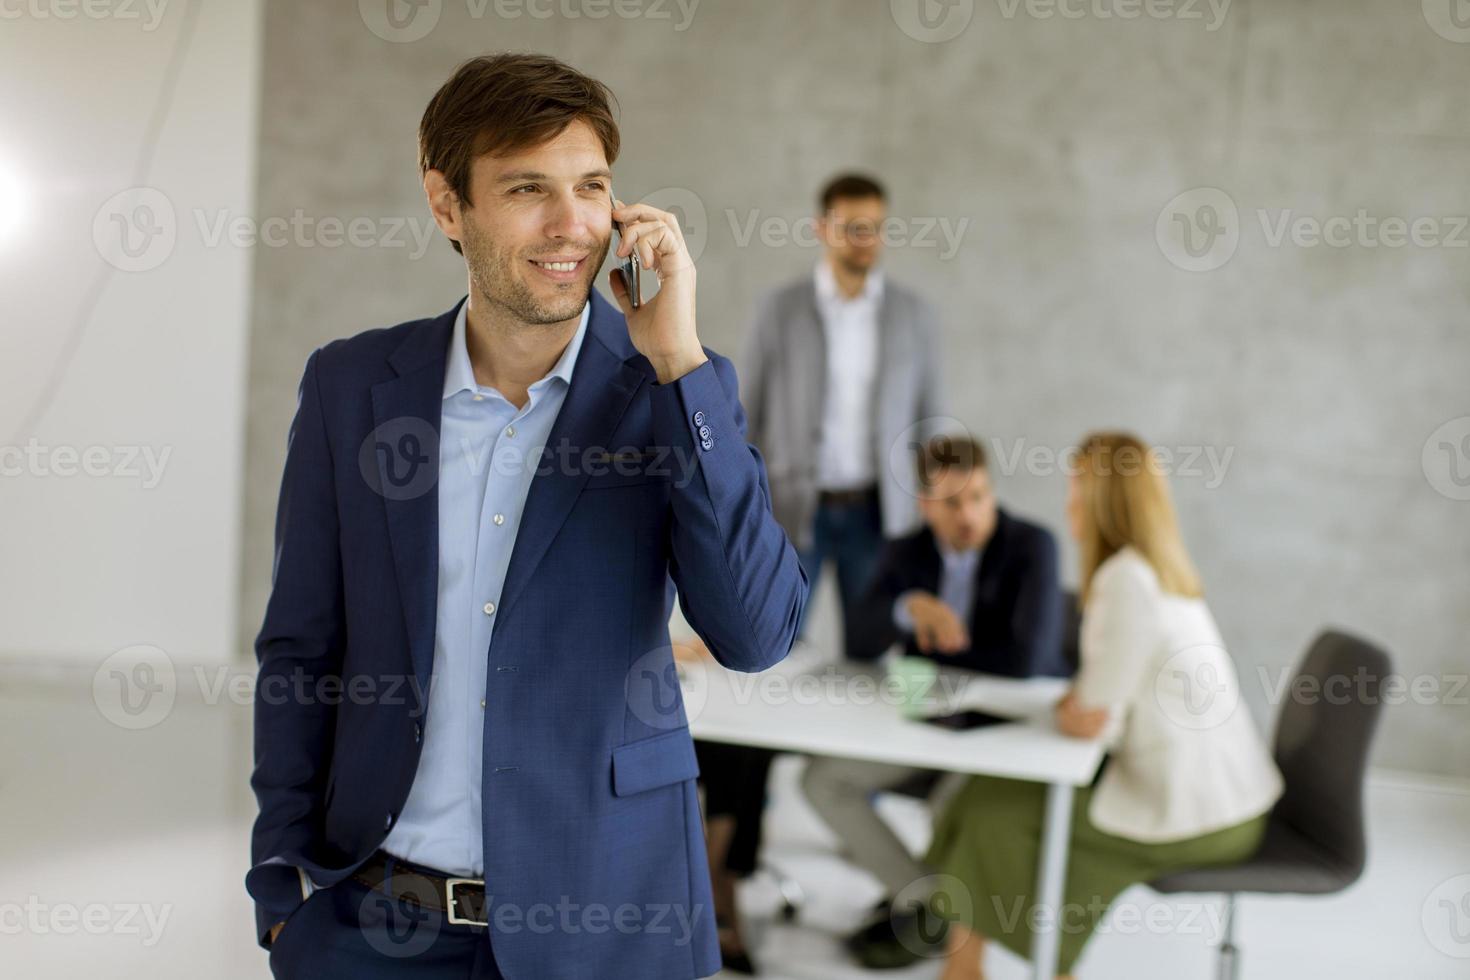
x=1188 y=781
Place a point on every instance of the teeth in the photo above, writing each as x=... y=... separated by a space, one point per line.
x=557 y=266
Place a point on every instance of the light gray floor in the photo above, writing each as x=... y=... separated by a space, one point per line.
x=155 y=822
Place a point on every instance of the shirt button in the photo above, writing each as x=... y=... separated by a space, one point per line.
x=510 y=430
x=479 y=398
x=499 y=519
x=388 y=822
x=489 y=609
x=482 y=702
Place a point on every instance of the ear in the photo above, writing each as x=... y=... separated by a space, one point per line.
x=444 y=204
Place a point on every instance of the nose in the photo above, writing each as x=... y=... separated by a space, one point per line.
x=567 y=218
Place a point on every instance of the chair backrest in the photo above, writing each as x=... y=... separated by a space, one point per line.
x=1322 y=739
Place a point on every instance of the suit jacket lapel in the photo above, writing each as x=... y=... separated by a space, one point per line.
x=930 y=570
x=603 y=383
x=992 y=562
x=407 y=412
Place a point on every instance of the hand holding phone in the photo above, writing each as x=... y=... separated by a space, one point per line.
x=629 y=267
x=661 y=328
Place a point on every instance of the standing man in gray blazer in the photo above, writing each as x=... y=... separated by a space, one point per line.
x=841 y=366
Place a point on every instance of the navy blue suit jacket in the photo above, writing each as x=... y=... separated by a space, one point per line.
x=1016 y=615
x=588 y=779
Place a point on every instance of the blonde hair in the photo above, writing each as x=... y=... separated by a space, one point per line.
x=1126 y=502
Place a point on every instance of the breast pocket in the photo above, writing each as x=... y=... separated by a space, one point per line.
x=624 y=468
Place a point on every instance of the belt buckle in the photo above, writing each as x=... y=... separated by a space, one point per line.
x=454 y=917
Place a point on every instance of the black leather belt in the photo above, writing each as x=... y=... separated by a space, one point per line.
x=462 y=900
x=848 y=498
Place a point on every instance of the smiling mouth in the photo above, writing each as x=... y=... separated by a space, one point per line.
x=563 y=267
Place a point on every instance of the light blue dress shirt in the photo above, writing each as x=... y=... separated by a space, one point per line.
x=956 y=586
x=488 y=454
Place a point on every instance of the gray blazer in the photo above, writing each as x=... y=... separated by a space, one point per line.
x=783 y=376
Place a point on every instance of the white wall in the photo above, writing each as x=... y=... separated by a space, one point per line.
x=94 y=563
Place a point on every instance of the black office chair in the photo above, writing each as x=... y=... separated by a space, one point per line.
x=1315 y=842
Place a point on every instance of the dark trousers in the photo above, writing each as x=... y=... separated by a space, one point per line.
x=352 y=932
x=734 y=778
x=850 y=533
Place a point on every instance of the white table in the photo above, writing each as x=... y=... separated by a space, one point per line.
x=810 y=705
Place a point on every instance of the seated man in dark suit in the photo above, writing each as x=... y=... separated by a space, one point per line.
x=975 y=588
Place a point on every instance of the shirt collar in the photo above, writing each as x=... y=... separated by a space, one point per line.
x=459 y=374
x=958 y=560
x=828 y=291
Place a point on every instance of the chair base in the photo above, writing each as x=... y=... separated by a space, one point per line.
x=1228 y=964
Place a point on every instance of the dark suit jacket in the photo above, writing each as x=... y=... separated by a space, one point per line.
x=1016 y=617
x=589 y=778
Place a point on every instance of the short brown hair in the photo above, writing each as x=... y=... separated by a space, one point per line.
x=502 y=103
x=943 y=453
x=850 y=186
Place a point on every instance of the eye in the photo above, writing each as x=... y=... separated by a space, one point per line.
x=523 y=187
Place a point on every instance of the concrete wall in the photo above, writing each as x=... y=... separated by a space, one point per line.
x=123 y=326
x=1303 y=386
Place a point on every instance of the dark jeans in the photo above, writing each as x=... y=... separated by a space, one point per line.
x=851 y=534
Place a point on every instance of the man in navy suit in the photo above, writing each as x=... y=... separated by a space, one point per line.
x=471 y=755
x=975 y=588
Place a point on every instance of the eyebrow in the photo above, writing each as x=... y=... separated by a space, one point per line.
x=537 y=175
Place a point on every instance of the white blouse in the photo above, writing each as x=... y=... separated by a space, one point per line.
x=1186 y=757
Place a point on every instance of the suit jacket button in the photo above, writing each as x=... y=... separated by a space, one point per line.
x=388 y=822
x=699 y=418
x=418 y=733
x=704 y=432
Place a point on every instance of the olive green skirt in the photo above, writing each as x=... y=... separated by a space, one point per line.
x=987 y=841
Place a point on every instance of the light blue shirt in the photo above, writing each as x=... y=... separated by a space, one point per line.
x=956 y=586
x=488 y=454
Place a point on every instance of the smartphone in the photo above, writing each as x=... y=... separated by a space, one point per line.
x=630 y=269
x=963 y=721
